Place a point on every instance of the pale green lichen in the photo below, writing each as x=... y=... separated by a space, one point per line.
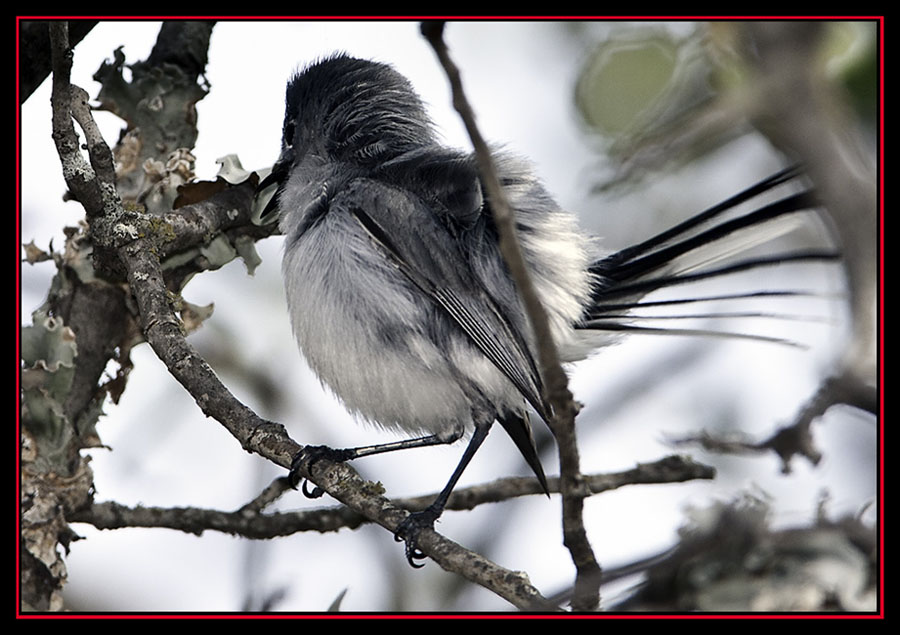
x=48 y=369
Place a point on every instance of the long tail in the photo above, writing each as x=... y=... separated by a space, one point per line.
x=688 y=252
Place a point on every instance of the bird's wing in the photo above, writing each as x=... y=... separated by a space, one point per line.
x=423 y=249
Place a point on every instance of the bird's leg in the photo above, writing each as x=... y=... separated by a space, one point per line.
x=409 y=529
x=310 y=454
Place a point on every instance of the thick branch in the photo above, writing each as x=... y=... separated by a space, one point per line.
x=164 y=334
x=183 y=43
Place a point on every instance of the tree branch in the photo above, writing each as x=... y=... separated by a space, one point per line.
x=250 y=522
x=164 y=333
x=556 y=389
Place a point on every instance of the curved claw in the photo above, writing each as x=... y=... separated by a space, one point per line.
x=413 y=553
x=412 y=556
x=315 y=493
x=408 y=531
x=311 y=454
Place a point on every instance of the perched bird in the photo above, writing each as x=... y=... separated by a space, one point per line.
x=398 y=295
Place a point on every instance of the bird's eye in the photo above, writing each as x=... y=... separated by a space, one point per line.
x=289 y=133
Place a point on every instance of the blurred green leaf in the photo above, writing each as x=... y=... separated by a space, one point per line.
x=624 y=80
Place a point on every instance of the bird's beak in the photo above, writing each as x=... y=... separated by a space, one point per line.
x=266 y=200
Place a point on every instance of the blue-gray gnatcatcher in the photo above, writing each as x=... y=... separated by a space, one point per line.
x=398 y=295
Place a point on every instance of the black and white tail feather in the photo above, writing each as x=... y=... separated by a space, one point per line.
x=693 y=251
x=400 y=299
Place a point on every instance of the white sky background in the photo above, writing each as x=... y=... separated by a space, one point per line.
x=519 y=78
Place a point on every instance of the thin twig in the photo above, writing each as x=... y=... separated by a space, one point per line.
x=554 y=377
x=795 y=439
x=249 y=521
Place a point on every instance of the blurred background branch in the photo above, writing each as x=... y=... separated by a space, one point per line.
x=807 y=88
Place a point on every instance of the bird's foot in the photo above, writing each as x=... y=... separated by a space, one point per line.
x=310 y=455
x=408 y=531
